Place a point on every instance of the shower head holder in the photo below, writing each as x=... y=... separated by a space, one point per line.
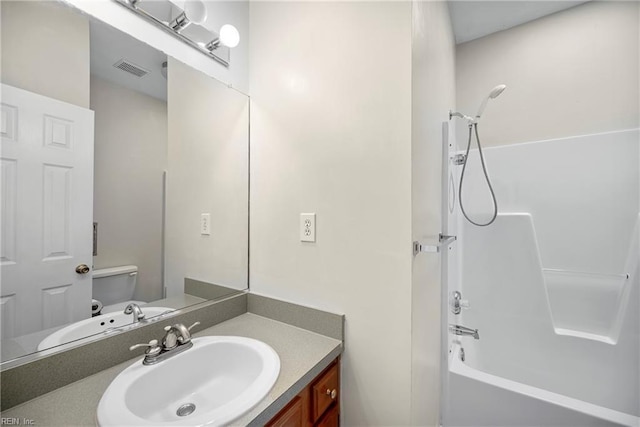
x=453 y=114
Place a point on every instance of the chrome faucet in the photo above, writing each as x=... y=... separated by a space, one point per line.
x=134 y=309
x=176 y=335
x=176 y=340
x=463 y=330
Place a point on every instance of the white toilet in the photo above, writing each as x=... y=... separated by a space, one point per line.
x=114 y=287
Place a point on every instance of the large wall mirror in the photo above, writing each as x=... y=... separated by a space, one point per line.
x=124 y=180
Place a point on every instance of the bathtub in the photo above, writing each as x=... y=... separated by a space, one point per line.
x=525 y=370
x=553 y=287
x=482 y=399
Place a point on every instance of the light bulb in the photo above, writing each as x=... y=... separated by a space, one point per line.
x=229 y=36
x=195 y=11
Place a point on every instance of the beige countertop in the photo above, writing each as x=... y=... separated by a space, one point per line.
x=303 y=355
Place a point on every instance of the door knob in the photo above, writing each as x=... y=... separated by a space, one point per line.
x=82 y=269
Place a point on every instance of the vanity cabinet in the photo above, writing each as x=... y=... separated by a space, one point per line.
x=318 y=404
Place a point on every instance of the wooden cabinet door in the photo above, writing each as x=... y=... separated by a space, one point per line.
x=325 y=392
x=330 y=419
x=318 y=404
x=291 y=416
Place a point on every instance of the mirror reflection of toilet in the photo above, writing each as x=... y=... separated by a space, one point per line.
x=114 y=287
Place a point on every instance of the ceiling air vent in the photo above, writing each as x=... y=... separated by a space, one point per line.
x=131 y=68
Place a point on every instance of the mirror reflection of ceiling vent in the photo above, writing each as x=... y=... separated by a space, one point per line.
x=131 y=68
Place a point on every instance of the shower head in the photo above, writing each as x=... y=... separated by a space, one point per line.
x=495 y=92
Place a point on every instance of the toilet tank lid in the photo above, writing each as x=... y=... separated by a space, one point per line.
x=112 y=271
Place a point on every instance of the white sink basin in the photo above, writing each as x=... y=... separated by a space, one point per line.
x=105 y=323
x=222 y=377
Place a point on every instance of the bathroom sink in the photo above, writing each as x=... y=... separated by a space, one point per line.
x=105 y=324
x=213 y=383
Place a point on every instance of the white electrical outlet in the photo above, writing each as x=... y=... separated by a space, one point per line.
x=205 y=224
x=307 y=227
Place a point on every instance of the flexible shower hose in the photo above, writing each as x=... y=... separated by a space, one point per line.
x=486 y=176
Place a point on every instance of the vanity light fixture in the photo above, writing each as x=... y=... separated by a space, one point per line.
x=194 y=14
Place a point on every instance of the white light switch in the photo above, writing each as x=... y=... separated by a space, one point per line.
x=307 y=227
x=205 y=224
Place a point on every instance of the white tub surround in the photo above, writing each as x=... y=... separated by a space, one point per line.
x=553 y=286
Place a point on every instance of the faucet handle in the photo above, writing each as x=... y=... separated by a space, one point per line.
x=169 y=327
x=153 y=347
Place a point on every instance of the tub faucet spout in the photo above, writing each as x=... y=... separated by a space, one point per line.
x=463 y=330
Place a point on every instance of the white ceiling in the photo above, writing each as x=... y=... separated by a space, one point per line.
x=477 y=18
x=109 y=45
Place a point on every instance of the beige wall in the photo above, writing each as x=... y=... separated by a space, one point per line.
x=130 y=157
x=45 y=49
x=433 y=94
x=331 y=134
x=571 y=73
x=207 y=173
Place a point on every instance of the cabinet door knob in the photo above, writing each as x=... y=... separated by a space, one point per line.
x=333 y=393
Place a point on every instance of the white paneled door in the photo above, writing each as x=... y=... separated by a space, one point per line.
x=46 y=212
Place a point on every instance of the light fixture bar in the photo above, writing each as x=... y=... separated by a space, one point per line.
x=179 y=23
x=213 y=44
x=132 y=5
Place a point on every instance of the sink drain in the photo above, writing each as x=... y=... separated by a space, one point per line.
x=186 y=409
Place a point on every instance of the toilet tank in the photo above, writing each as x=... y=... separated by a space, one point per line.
x=115 y=284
